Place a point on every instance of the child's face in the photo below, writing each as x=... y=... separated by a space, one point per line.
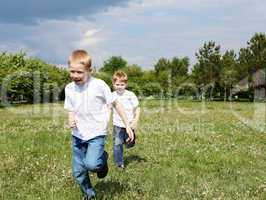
x=78 y=73
x=119 y=86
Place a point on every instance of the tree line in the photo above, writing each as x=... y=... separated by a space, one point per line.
x=216 y=75
x=30 y=80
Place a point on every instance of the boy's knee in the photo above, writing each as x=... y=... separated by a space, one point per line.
x=93 y=165
x=78 y=174
x=118 y=141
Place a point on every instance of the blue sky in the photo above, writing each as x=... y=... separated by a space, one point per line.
x=141 y=31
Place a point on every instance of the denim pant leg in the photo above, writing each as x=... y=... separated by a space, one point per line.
x=87 y=156
x=79 y=170
x=118 y=141
x=95 y=158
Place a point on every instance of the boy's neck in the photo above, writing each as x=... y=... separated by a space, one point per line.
x=120 y=93
x=86 y=81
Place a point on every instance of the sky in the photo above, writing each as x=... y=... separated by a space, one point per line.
x=141 y=31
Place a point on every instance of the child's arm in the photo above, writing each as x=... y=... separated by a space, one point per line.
x=71 y=120
x=109 y=111
x=134 y=123
x=120 y=110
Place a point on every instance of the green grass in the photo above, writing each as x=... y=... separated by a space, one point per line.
x=185 y=150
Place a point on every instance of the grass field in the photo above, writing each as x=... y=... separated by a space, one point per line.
x=185 y=150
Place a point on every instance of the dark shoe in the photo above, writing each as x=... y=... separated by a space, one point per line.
x=122 y=167
x=104 y=171
x=88 y=197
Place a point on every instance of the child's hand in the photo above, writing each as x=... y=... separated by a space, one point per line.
x=72 y=124
x=130 y=134
x=72 y=121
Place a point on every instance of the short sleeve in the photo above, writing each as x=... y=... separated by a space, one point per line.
x=107 y=94
x=135 y=100
x=68 y=105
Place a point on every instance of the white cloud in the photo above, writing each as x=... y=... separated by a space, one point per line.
x=141 y=32
x=90 y=38
x=52 y=40
x=178 y=28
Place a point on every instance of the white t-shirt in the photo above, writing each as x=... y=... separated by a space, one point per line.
x=129 y=101
x=89 y=104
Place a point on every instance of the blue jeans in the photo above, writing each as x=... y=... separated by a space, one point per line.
x=87 y=156
x=119 y=138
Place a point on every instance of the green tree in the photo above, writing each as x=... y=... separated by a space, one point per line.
x=113 y=64
x=179 y=67
x=179 y=72
x=149 y=76
x=257 y=51
x=151 y=89
x=134 y=71
x=163 y=64
x=228 y=72
x=30 y=79
x=252 y=59
x=206 y=72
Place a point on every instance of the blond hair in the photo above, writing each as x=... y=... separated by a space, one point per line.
x=122 y=76
x=80 y=57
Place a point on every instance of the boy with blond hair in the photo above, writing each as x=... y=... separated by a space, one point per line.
x=131 y=104
x=86 y=98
